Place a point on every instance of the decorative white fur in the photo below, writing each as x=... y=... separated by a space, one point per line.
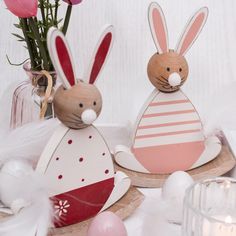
x=21 y=189
x=220 y=110
x=155 y=221
x=13 y=191
x=164 y=212
x=89 y=116
x=174 y=79
x=26 y=142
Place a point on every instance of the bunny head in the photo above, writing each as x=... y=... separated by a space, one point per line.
x=168 y=69
x=77 y=103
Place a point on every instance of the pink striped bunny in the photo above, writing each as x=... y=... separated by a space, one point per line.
x=168 y=135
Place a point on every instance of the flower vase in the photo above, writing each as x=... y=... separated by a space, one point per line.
x=32 y=98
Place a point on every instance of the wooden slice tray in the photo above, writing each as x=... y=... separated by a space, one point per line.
x=123 y=208
x=219 y=166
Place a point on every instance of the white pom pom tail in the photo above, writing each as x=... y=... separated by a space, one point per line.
x=89 y=116
x=174 y=79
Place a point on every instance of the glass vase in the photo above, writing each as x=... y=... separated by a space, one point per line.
x=210 y=208
x=31 y=100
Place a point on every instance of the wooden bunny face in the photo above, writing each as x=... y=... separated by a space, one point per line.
x=168 y=69
x=162 y=66
x=77 y=103
x=71 y=105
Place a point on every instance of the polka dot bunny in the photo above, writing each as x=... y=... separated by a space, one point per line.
x=77 y=162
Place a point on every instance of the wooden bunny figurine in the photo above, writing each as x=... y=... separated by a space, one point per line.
x=77 y=162
x=168 y=135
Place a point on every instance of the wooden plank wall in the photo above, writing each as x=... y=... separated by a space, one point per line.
x=124 y=83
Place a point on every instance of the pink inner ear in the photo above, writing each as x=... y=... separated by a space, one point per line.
x=65 y=61
x=100 y=57
x=160 y=32
x=192 y=33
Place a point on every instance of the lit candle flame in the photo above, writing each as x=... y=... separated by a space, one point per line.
x=228 y=220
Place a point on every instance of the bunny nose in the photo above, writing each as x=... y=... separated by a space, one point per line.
x=174 y=79
x=88 y=116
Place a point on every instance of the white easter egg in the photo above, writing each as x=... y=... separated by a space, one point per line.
x=176 y=185
x=16 y=168
x=173 y=193
x=13 y=176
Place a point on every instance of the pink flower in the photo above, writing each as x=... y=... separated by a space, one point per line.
x=73 y=2
x=22 y=8
x=62 y=208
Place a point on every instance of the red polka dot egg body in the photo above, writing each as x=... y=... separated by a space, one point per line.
x=79 y=173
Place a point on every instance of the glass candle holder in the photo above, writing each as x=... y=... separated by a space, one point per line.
x=210 y=208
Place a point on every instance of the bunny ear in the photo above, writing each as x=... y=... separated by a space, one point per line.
x=158 y=27
x=100 y=54
x=192 y=31
x=61 y=57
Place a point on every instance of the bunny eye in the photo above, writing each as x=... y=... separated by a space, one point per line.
x=168 y=68
x=94 y=103
x=180 y=69
x=81 y=105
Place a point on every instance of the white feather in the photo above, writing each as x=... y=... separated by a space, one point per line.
x=155 y=222
x=32 y=219
x=26 y=142
x=20 y=186
x=220 y=110
x=37 y=215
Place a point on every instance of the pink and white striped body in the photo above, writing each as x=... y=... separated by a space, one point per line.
x=169 y=134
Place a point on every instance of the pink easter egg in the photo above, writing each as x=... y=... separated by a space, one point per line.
x=107 y=224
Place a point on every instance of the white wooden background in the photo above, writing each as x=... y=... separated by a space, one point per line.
x=124 y=83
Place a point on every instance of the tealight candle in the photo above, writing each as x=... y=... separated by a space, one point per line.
x=210 y=208
x=224 y=227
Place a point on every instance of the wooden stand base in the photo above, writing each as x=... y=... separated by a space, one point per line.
x=123 y=208
x=219 y=166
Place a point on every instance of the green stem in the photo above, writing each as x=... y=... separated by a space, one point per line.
x=51 y=13
x=36 y=54
x=42 y=49
x=16 y=64
x=25 y=29
x=42 y=10
x=47 y=9
x=56 y=12
x=67 y=19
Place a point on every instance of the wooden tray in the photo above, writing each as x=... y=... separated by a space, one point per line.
x=219 y=166
x=123 y=208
